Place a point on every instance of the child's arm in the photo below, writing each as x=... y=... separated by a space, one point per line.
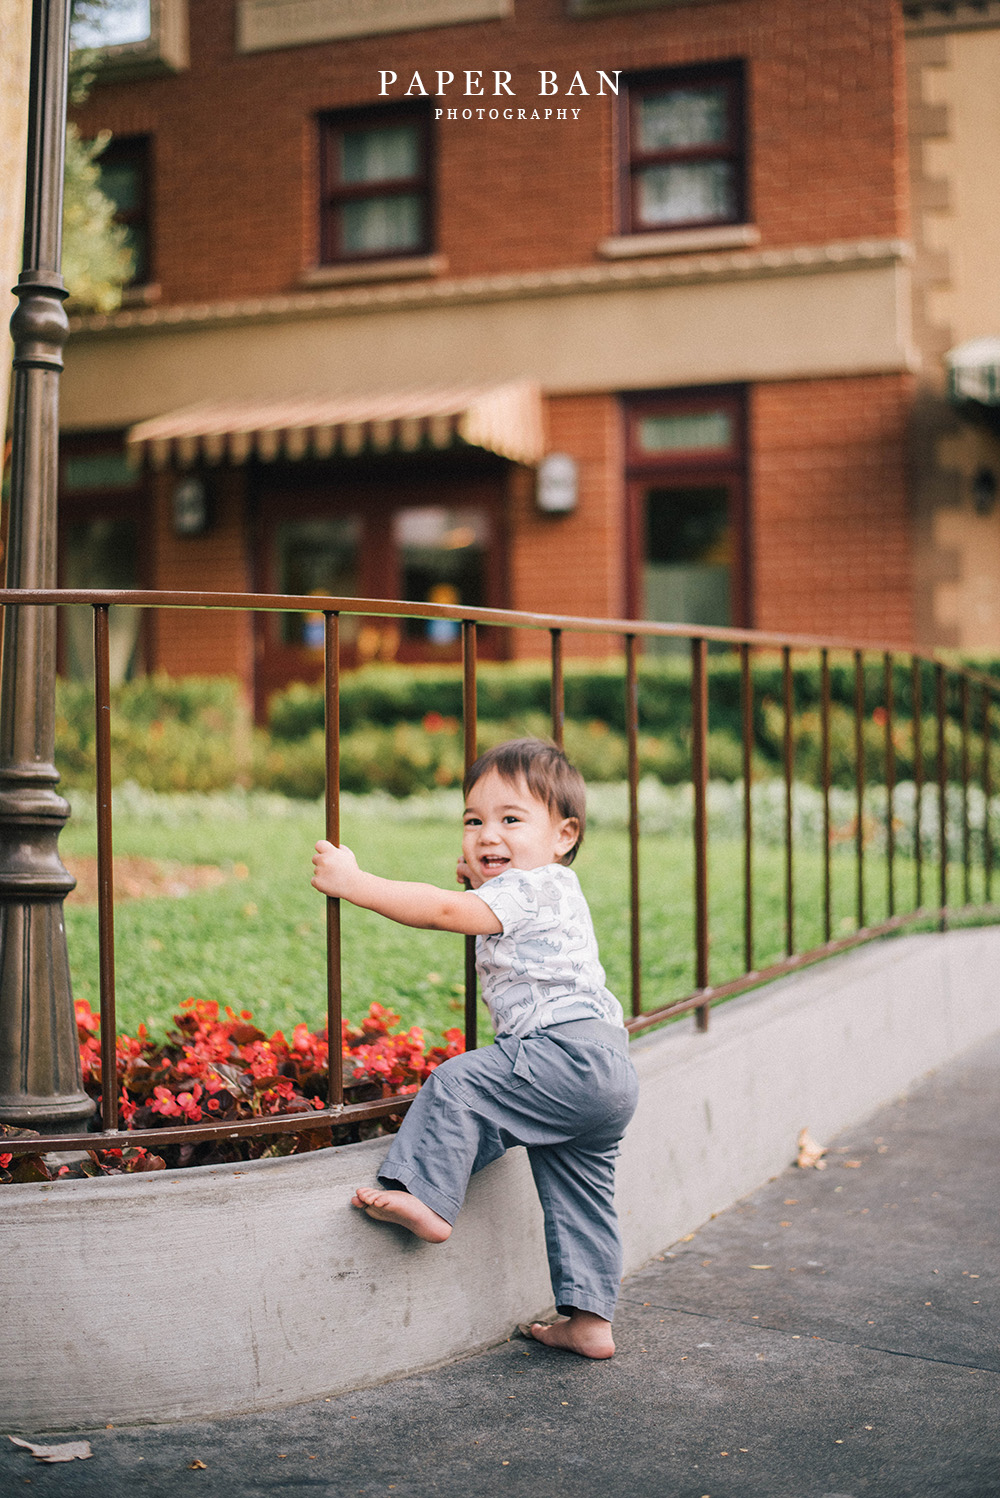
x=422 y=905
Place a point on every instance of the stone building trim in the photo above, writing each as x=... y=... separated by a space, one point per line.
x=745 y=265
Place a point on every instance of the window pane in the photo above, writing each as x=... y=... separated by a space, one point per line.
x=380 y=155
x=316 y=556
x=382 y=224
x=686 y=192
x=682 y=117
x=688 y=525
x=688 y=564
x=108 y=470
x=442 y=557
x=137 y=241
x=97 y=26
x=121 y=181
x=101 y=553
x=699 y=430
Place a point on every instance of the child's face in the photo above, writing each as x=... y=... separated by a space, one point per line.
x=506 y=827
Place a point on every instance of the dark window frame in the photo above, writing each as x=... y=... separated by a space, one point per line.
x=728 y=466
x=334 y=193
x=735 y=148
x=135 y=149
x=99 y=501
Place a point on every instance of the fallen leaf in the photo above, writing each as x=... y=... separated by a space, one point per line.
x=66 y=1452
x=761 y=1266
x=852 y=1164
x=810 y=1153
x=196 y=1466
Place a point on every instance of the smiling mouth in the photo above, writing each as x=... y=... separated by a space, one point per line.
x=494 y=861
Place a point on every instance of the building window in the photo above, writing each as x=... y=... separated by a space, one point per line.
x=125 y=178
x=102 y=502
x=376 y=184
x=688 y=559
x=96 y=25
x=684 y=150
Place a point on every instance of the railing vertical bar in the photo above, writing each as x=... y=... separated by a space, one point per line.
x=859 y=783
x=470 y=728
x=824 y=720
x=916 y=669
x=890 y=785
x=699 y=778
x=105 y=871
x=966 y=836
x=788 y=756
x=746 y=703
x=632 y=730
x=558 y=695
x=334 y=960
x=940 y=708
x=987 y=795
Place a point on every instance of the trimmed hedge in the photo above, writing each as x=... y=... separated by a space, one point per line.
x=594 y=691
x=167 y=733
x=401 y=733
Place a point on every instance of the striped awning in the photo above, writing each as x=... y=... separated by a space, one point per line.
x=504 y=419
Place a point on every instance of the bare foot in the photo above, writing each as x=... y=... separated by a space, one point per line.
x=582 y=1332
x=405 y=1210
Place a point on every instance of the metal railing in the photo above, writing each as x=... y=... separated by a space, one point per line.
x=961 y=703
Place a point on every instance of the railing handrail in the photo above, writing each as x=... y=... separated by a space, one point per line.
x=940 y=709
x=512 y=618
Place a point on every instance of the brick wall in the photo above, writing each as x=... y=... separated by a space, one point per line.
x=572 y=564
x=235 y=151
x=197 y=643
x=832 y=552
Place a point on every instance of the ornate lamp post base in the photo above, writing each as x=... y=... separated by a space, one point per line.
x=41 y=1083
x=39 y=1057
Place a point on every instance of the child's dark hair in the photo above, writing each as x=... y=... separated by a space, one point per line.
x=545 y=771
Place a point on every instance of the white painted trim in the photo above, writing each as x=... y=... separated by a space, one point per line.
x=678 y=241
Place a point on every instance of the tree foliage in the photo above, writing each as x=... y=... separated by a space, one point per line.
x=97 y=262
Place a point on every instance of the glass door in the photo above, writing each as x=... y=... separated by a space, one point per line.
x=687 y=521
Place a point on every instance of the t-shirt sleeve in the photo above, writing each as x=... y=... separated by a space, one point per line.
x=512 y=899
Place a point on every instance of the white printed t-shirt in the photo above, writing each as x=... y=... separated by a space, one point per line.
x=545 y=959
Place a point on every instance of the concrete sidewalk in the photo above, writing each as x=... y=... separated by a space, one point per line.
x=833 y=1335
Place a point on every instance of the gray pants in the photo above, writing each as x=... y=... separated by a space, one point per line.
x=566 y=1094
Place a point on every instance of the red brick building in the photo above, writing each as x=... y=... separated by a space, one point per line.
x=397 y=255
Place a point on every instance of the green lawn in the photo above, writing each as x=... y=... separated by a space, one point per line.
x=258 y=942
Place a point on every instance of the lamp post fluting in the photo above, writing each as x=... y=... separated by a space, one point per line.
x=40 y=1079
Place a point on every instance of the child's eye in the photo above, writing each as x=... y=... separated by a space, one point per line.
x=473 y=822
x=511 y=818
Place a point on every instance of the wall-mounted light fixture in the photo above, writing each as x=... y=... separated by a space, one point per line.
x=189 y=507
x=558 y=485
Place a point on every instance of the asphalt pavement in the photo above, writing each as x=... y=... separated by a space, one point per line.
x=831 y=1336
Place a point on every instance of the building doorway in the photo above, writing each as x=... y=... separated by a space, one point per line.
x=431 y=532
x=688 y=543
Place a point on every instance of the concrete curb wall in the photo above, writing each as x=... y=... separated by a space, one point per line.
x=185 y=1293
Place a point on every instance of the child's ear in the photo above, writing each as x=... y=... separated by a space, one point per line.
x=567 y=836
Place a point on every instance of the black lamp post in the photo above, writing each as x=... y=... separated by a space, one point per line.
x=40 y=1078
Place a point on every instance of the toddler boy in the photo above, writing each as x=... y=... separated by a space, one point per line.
x=558 y=1078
